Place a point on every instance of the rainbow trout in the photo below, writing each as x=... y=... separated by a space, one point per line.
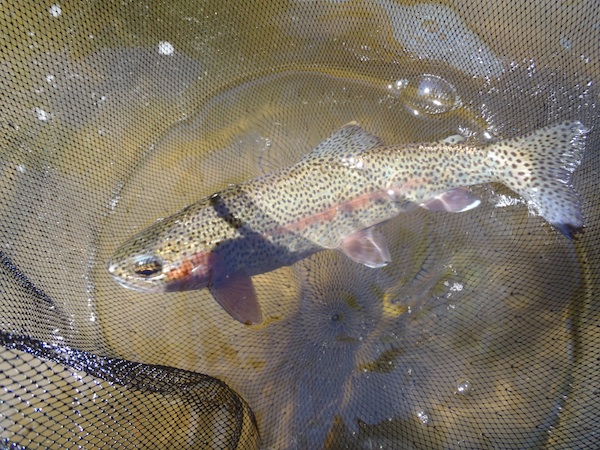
x=331 y=199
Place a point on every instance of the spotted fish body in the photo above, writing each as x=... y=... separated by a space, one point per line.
x=331 y=199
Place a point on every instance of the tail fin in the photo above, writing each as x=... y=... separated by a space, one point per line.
x=539 y=166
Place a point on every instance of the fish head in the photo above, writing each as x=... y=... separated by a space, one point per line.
x=158 y=259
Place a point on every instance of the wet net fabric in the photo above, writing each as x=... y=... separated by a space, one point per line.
x=481 y=333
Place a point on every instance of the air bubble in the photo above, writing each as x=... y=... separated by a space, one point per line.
x=55 y=10
x=426 y=95
x=41 y=114
x=423 y=417
x=165 y=48
x=565 y=43
x=464 y=387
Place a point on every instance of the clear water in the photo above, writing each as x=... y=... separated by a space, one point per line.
x=343 y=343
x=457 y=332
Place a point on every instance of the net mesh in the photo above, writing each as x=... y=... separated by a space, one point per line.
x=481 y=333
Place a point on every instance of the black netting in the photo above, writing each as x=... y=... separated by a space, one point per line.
x=482 y=332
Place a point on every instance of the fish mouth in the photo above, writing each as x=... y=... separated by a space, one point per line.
x=111 y=267
x=113 y=271
x=125 y=284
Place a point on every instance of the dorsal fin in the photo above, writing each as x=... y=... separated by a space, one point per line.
x=347 y=142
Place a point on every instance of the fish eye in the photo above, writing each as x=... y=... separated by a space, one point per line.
x=147 y=266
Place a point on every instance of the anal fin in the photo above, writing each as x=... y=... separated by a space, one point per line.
x=367 y=247
x=455 y=200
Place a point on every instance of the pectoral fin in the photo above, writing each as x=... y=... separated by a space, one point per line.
x=235 y=293
x=367 y=247
x=454 y=200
